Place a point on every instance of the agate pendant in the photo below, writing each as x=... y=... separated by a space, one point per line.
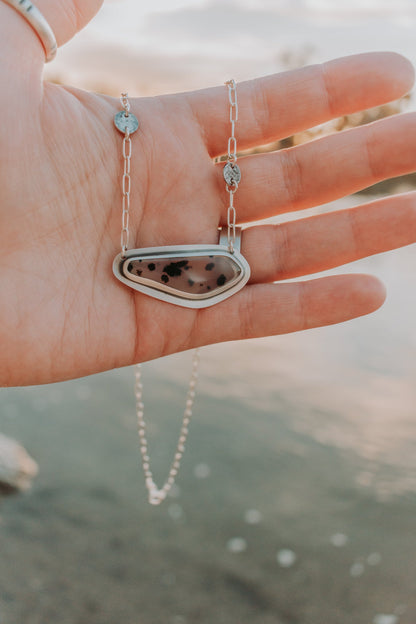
x=191 y=276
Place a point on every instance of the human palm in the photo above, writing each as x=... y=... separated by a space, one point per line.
x=63 y=313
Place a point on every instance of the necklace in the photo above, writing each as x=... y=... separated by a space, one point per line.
x=191 y=276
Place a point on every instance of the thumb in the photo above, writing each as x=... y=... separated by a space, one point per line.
x=67 y=17
x=20 y=44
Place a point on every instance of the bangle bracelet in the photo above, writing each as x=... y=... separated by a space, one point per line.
x=39 y=24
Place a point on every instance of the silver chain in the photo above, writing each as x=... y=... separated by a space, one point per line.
x=126 y=180
x=232 y=174
x=156 y=495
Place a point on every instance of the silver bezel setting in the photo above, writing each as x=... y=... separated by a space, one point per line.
x=167 y=293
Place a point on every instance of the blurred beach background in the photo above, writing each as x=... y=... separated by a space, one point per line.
x=296 y=501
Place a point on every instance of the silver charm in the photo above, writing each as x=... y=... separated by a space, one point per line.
x=191 y=276
x=232 y=174
x=126 y=121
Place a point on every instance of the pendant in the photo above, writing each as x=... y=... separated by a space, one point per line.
x=191 y=276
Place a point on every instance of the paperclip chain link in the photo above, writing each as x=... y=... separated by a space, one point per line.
x=126 y=180
x=232 y=173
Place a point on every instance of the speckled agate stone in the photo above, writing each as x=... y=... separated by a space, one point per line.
x=189 y=276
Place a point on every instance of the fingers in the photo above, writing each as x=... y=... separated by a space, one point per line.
x=325 y=169
x=271 y=309
x=306 y=246
x=279 y=105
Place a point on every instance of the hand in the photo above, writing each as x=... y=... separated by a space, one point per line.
x=64 y=315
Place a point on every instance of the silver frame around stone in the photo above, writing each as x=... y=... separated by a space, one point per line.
x=164 y=292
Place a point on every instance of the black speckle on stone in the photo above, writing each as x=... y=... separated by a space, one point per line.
x=210 y=256
x=165 y=278
x=208 y=287
x=210 y=266
x=134 y=270
x=221 y=280
x=151 y=266
x=174 y=269
x=191 y=282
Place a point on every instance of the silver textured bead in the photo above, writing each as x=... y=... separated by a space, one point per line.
x=232 y=174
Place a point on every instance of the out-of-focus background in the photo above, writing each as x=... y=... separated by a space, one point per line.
x=169 y=45
x=296 y=502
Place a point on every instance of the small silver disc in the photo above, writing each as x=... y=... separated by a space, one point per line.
x=122 y=122
x=232 y=174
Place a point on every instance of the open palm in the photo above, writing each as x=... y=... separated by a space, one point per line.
x=63 y=314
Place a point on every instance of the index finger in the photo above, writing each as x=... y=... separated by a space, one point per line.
x=280 y=105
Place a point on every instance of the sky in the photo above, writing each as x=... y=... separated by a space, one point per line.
x=170 y=45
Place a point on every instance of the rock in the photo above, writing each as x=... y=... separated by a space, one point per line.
x=17 y=468
x=186 y=275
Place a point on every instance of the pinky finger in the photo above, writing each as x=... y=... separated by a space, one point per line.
x=271 y=309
